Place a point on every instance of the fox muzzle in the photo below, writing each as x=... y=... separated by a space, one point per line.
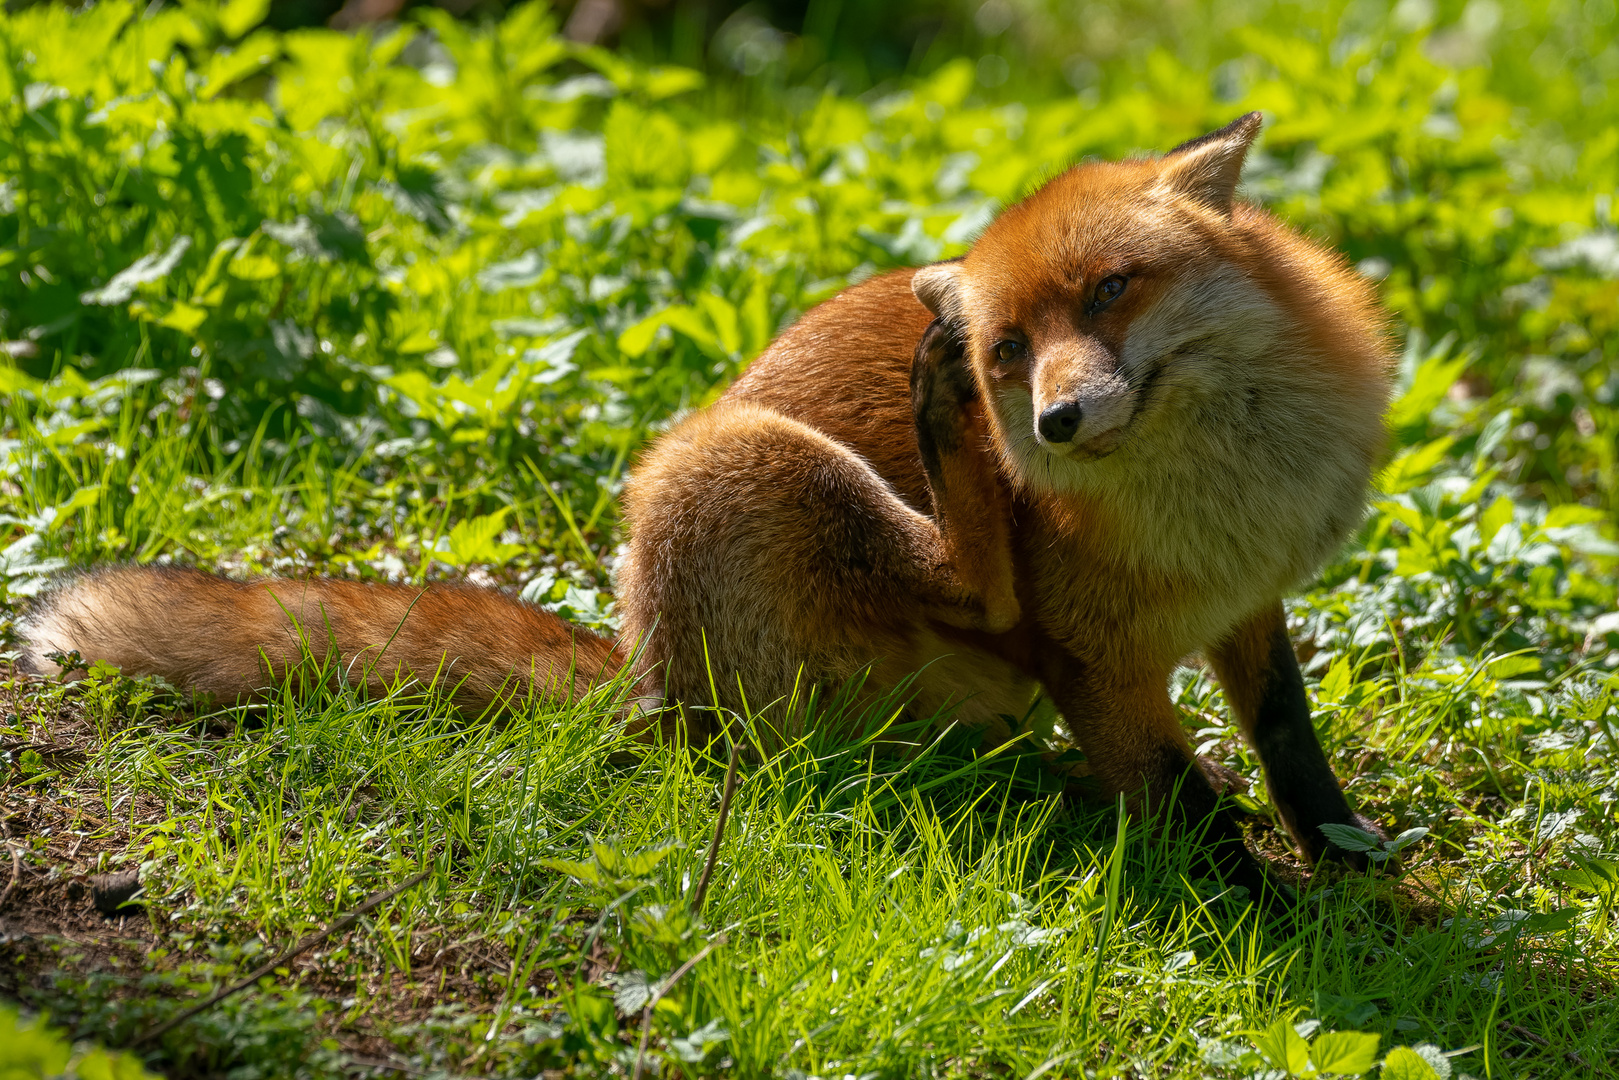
x=1060 y=422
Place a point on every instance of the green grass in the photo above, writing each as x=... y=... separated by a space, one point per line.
x=438 y=283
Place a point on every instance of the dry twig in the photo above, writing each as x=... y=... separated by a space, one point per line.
x=305 y=943
x=719 y=832
x=16 y=861
x=668 y=984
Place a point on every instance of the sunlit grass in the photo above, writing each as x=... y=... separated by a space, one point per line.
x=433 y=303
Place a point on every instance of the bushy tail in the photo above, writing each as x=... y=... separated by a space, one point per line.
x=237 y=640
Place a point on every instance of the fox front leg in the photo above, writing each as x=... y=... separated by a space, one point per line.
x=1260 y=675
x=1132 y=737
x=969 y=503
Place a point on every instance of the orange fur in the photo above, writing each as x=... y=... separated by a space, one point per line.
x=234 y=639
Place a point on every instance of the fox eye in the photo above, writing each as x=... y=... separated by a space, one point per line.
x=1009 y=351
x=1108 y=291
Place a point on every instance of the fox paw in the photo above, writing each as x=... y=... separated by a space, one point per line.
x=941 y=387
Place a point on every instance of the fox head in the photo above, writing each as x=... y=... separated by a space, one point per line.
x=1131 y=312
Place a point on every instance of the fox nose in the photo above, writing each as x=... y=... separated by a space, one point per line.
x=1059 y=422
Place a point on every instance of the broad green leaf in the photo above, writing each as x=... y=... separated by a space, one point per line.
x=641 y=863
x=184 y=318
x=1347 y=1053
x=227 y=67
x=1414 y=464
x=689 y=322
x=1490 y=522
x=725 y=320
x=1283 y=1047
x=13 y=381
x=237 y=17
x=254 y=267
x=1431 y=382
x=1404 y=1063
x=666 y=82
x=635 y=341
x=693 y=1048
x=322 y=236
x=1336 y=682
x=1598 y=876
x=588 y=872
x=1560 y=517
x=631 y=991
x=85 y=496
x=474 y=540
x=950 y=84
x=517 y=273
x=1406 y=839
x=422 y=395
x=1510 y=667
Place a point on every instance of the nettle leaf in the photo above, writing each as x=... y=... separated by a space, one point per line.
x=694 y=1047
x=1354 y=1011
x=588 y=873
x=473 y=540
x=1556 y=823
x=420 y=194
x=1413 y=466
x=518 y=273
x=143 y=271
x=1405 y=839
x=643 y=862
x=662 y=924
x=1597 y=876
x=1336 y=682
x=237 y=17
x=323 y=237
x=631 y=990
x=1352 y=839
x=1430 y=382
x=553 y=360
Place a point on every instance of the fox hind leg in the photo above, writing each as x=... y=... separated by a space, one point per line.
x=766 y=558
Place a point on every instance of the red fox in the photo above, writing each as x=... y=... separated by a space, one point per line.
x=1110 y=436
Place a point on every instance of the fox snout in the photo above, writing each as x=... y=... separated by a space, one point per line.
x=1081 y=411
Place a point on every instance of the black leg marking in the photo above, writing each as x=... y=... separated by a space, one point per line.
x=1302 y=784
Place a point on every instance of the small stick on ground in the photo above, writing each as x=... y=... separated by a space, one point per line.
x=668 y=984
x=719 y=833
x=1540 y=1040
x=696 y=908
x=70 y=812
x=308 y=941
x=16 y=861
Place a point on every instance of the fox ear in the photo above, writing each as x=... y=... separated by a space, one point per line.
x=938 y=287
x=1207 y=168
